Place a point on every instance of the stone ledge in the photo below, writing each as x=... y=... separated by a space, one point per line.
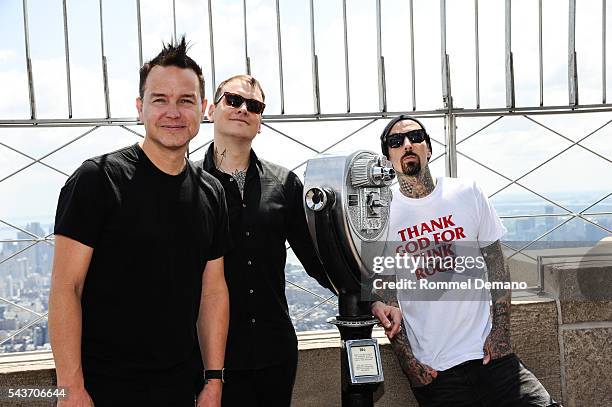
x=535 y=340
x=586 y=325
x=26 y=361
x=582 y=311
x=588 y=361
x=534 y=337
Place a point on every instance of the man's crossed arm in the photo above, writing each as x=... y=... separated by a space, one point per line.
x=388 y=312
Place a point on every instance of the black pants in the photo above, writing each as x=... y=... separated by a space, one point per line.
x=501 y=382
x=270 y=386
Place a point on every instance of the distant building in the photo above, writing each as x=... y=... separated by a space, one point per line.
x=10 y=287
x=8 y=324
x=525 y=228
x=39 y=336
x=550 y=220
x=40 y=255
x=593 y=233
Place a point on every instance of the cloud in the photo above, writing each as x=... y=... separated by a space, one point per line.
x=7 y=55
x=192 y=19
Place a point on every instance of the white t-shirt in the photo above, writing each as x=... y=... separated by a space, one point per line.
x=445 y=326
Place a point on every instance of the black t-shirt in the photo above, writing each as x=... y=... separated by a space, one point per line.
x=152 y=234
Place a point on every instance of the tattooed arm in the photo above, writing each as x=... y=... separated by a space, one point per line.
x=497 y=343
x=419 y=374
x=390 y=315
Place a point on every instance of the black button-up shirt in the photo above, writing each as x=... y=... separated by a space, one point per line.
x=271 y=212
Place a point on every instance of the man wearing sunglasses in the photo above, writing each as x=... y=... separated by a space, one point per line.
x=265 y=210
x=454 y=345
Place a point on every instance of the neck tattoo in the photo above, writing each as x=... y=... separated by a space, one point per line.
x=418 y=186
x=219 y=157
x=238 y=175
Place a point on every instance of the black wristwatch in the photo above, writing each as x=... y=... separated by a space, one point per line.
x=214 y=374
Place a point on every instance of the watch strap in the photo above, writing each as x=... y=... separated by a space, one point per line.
x=214 y=374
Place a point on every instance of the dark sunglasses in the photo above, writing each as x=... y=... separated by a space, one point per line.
x=414 y=136
x=234 y=100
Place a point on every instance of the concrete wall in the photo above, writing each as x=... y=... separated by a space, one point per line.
x=584 y=301
x=31 y=376
x=567 y=345
x=534 y=338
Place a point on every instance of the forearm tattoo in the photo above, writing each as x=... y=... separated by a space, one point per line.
x=418 y=373
x=498 y=271
x=386 y=295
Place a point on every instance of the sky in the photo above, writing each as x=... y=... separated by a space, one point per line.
x=510 y=145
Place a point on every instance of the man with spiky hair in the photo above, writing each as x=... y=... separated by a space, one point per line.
x=139 y=305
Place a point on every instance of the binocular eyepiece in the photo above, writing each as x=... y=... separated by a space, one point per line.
x=347 y=205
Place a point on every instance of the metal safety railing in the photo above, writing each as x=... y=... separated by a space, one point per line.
x=447 y=108
x=563 y=259
x=446 y=112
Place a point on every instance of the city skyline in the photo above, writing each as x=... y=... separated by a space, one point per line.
x=563 y=158
x=25 y=279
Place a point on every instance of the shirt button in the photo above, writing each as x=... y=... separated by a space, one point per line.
x=253 y=320
x=251 y=291
x=244 y=205
x=247 y=233
x=231 y=179
x=249 y=262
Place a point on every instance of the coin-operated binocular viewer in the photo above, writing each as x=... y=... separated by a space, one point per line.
x=347 y=207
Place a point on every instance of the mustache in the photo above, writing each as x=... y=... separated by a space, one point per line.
x=408 y=154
